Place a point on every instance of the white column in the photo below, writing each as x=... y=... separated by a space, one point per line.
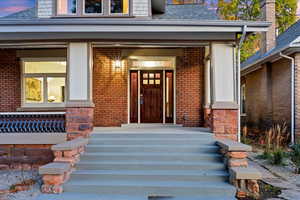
x=207 y=66
x=223 y=76
x=79 y=74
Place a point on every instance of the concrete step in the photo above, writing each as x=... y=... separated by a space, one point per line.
x=128 y=156
x=151 y=175
x=153 y=148
x=91 y=196
x=152 y=141
x=149 y=188
x=149 y=165
x=152 y=135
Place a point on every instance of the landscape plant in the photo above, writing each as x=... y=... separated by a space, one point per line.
x=295 y=157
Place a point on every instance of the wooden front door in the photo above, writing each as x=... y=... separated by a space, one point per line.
x=151 y=96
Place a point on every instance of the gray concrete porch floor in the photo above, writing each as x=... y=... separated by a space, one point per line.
x=152 y=128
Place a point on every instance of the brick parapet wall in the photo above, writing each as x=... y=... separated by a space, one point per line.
x=24 y=156
x=224 y=123
x=10 y=81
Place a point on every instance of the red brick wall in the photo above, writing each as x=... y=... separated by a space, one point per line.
x=10 y=83
x=25 y=156
x=190 y=87
x=110 y=88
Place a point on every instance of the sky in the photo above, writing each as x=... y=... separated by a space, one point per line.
x=11 y=6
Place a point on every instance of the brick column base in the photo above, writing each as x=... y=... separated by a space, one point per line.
x=79 y=122
x=207 y=117
x=224 y=123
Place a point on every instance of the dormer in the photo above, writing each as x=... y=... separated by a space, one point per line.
x=93 y=8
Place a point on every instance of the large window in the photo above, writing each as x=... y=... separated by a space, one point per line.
x=79 y=8
x=44 y=82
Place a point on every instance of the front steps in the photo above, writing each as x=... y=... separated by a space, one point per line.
x=154 y=166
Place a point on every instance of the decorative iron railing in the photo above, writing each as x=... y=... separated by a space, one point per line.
x=38 y=122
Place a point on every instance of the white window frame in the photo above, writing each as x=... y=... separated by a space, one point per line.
x=45 y=86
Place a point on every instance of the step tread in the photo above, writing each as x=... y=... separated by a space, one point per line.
x=156 y=172
x=150 y=183
x=155 y=145
x=80 y=196
x=199 y=154
x=136 y=162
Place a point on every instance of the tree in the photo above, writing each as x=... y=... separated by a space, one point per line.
x=251 y=10
x=285 y=14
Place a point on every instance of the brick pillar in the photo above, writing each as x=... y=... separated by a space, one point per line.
x=224 y=123
x=79 y=122
x=297 y=97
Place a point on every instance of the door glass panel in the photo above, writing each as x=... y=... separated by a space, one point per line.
x=145 y=82
x=157 y=75
x=34 y=90
x=151 y=82
x=151 y=75
x=157 y=82
x=145 y=75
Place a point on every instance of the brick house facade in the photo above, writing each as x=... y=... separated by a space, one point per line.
x=270 y=80
x=68 y=75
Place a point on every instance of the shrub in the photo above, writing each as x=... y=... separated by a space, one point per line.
x=266 y=155
x=295 y=157
x=278 y=157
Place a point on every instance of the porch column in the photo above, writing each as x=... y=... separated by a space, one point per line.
x=224 y=100
x=79 y=107
x=207 y=79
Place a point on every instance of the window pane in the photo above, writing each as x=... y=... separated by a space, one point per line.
x=45 y=67
x=119 y=6
x=66 y=7
x=33 y=90
x=56 y=90
x=93 y=6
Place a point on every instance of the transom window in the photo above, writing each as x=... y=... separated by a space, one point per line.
x=92 y=7
x=44 y=82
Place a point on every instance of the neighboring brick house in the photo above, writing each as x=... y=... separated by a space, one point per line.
x=267 y=79
x=117 y=62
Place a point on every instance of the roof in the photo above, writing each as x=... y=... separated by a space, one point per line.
x=283 y=41
x=195 y=12
x=29 y=13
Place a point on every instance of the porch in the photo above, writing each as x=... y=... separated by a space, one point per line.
x=106 y=84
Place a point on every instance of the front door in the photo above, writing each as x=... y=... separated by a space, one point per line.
x=151 y=96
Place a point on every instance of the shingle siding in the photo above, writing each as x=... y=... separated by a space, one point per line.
x=45 y=8
x=141 y=8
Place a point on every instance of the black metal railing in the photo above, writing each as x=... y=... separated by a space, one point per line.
x=32 y=122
